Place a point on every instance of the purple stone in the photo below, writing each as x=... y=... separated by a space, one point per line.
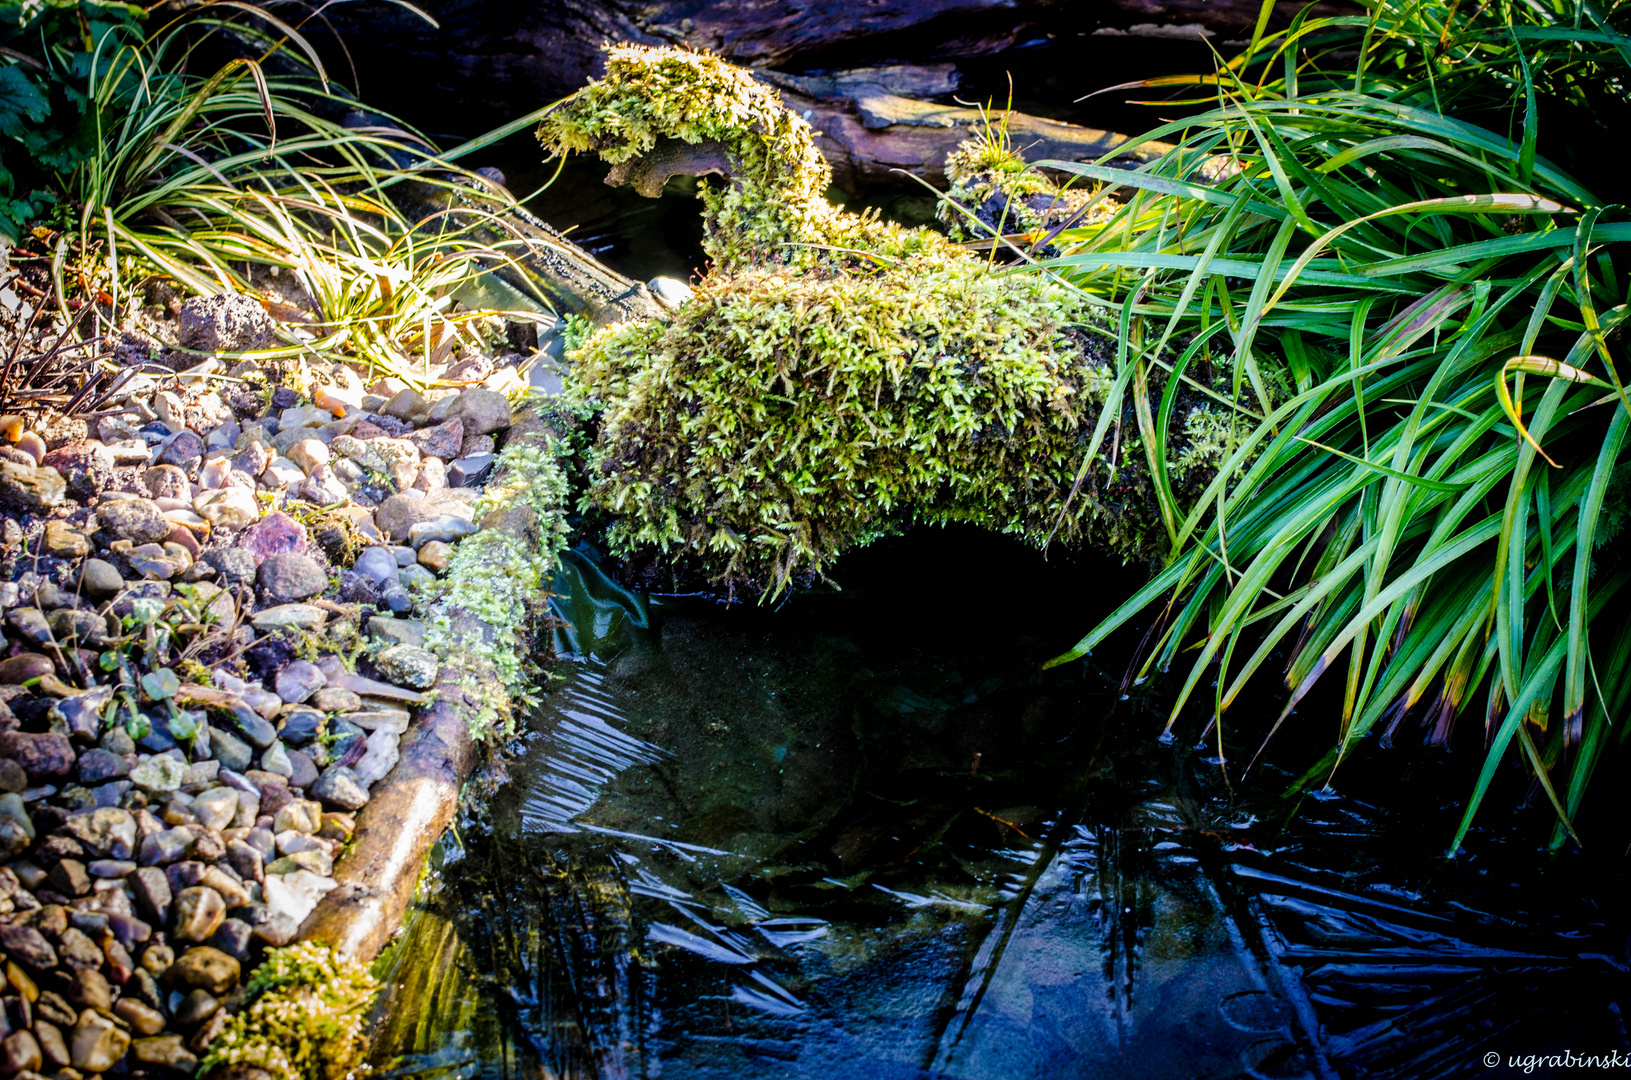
x=274 y=534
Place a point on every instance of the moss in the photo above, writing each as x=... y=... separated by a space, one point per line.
x=835 y=378
x=995 y=191
x=499 y=578
x=303 y=1017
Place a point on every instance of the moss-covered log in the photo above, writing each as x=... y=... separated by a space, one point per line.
x=836 y=377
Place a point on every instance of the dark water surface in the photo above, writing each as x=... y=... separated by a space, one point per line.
x=864 y=836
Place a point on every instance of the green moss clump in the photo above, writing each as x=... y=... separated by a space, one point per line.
x=995 y=191
x=303 y=1018
x=499 y=575
x=835 y=378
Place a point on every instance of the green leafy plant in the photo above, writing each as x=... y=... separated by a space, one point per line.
x=1427 y=514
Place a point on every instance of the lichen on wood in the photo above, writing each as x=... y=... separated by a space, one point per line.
x=835 y=378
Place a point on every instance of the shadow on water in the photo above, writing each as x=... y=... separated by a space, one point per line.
x=864 y=836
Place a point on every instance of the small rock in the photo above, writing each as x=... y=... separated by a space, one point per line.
x=197 y=912
x=232 y=752
x=183 y=450
x=31 y=487
x=444 y=529
x=408 y=665
x=143 y=1019
x=469 y=470
x=302 y=770
x=207 y=968
x=41 y=756
x=399 y=513
x=308 y=454
x=99 y=578
x=377 y=716
x=28 y=946
x=227 y=508
x=275 y=760
x=434 y=556
x=443 y=441
x=223 y=323
x=168 y=481
x=333 y=699
x=299 y=681
x=109 y=832
x=295 y=894
x=303 y=725
x=164 y=847
x=379 y=758
x=97 y=765
x=23 y=667
x=287 y=577
x=159 y=774
x=20 y=1053
x=273 y=534
x=97 y=1042
x=152 y=891
x=482 y=411
x=338 y=786
x=168 y=1051
x=66 y=542
x=236 y=565
x=195 y=1008
x=377 y=564
x=400 y=458
x=216 y=808
x=138 y=520
x=304 y=616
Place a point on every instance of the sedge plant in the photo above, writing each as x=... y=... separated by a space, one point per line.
x=1434 y=517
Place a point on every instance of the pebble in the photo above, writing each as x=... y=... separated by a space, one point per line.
x=66 y=542
x=138 y=520
x=298 y=681
x=338 y=786
x=288 y=576
x=295 y=894
x=482 y=411
x=408 y=665
x=304 y=616
x=227 y=508
x=377 y=564
x=206 y=968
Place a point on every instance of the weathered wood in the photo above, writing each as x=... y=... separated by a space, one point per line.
x=415 y=802
x=875 y=137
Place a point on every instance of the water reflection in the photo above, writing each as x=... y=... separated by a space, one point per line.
x=820 y=844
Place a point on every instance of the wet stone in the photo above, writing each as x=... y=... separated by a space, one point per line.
x=302 y=726
x=66 y=542
x=78 y=951
x=142 y=1018
x=168 y=1051
x=23 y=667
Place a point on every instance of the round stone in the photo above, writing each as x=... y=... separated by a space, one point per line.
x=206 y=968
x=98 y=578
x=408 y=665
x=138 y=520
x=288 y=577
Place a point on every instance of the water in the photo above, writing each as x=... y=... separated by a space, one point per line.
x=864 y=836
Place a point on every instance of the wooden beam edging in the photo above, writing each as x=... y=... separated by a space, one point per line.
x=413 y=804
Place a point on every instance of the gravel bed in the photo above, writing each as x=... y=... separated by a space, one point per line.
x=209 y=659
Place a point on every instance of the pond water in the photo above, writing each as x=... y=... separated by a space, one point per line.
x=864 y=835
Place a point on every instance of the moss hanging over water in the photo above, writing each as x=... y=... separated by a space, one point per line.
x=835 y=378
x=304 y=1018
